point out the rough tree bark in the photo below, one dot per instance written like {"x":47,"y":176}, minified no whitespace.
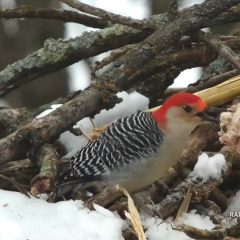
{"x":146,"y":56}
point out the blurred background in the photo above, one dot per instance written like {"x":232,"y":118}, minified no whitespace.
{"x":20,"y":37}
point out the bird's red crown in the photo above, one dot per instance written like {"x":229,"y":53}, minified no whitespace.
{"x":178,"y":100}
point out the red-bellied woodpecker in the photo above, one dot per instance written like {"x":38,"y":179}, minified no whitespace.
{"x":136,"y":150}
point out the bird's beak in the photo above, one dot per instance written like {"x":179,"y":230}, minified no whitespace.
{"x":211,"y":114}
{"x":205,"y":117}
{"x":216,"y":111}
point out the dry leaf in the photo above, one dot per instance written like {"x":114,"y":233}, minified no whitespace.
{"x":133,"y":214}
{"x":96,"y":132}
{"x":184,"y":206}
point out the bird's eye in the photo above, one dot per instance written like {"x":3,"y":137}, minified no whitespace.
{"x":187,"y":108}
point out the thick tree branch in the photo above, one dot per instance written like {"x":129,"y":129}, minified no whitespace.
{"x":231,"y":15}
{"x":57,"y":14}
{"x":44,"y":182}
{"x":190,"y":19}
{"x":58,"y":54}
{"x":173,"y":9}
{"x":184,"y":58}
{"x":91,"y":100}
{"x":11,"y":119}
{"x":46,"y":129}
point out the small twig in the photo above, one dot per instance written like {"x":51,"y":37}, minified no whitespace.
{"x":223,"y":50}
{"x":18,"y":186}
{"x":17,"y":166}
{"x":114,"y":18}
{"x":173,"y":9}
{"x":207,"y":83}
{"x":194,"y":232}
{"x":228,"y":227}
{"x":62,"y":100}
{"x":93,"y":123}
{"x":62,"y":15}
{"x":79,"y":132}
{"x":184,"y":206}
{"x":227,"y":38}
{"x":213,"y":211}
{"x":111,"y":58}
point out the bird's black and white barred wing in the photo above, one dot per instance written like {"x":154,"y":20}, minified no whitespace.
{"x":125,"y":141}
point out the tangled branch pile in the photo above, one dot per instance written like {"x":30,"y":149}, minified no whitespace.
{"x":146,"y":55}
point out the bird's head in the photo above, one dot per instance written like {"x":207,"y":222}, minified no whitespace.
{"x":181,"y":109}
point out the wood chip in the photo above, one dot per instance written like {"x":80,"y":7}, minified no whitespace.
{"x":133,"y":215}
{"x":184,"y":206}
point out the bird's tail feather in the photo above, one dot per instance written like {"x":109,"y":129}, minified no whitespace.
{"x":68,"y":184}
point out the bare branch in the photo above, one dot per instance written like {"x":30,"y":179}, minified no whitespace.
{"x":162,"y":38}
{"x":114,"y":18}
{"x":173,"y":9}
{"x":18,"y":186}
{"x":111,"y":58}
{"x":57,"y":14}
{"x":57,"y":54}
{"x":92,"y":99}
{"x":207,"y":83}
{"x":221,"y":48}
{"x":46,"y":129}
{"x":229,"y":227}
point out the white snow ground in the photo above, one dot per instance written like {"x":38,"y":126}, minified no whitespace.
{"x":23,"y":218}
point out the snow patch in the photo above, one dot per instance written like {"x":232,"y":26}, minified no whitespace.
{"x":195,"y":220}
{"x":187,"y":77}
{"x":159,"y":230}
{"x":24,"y":218}
{"x":210,"y":167}
{"x":233,"y":203}
{"x":131,"y":103}
{"x":46,"y":112}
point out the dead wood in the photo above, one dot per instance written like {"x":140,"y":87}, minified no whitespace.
{"x":150,"y":54}
{"x":62,"y":15}
{"x":48,"y":159}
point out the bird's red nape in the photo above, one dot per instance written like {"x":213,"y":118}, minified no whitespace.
{"x":178,"y":100}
